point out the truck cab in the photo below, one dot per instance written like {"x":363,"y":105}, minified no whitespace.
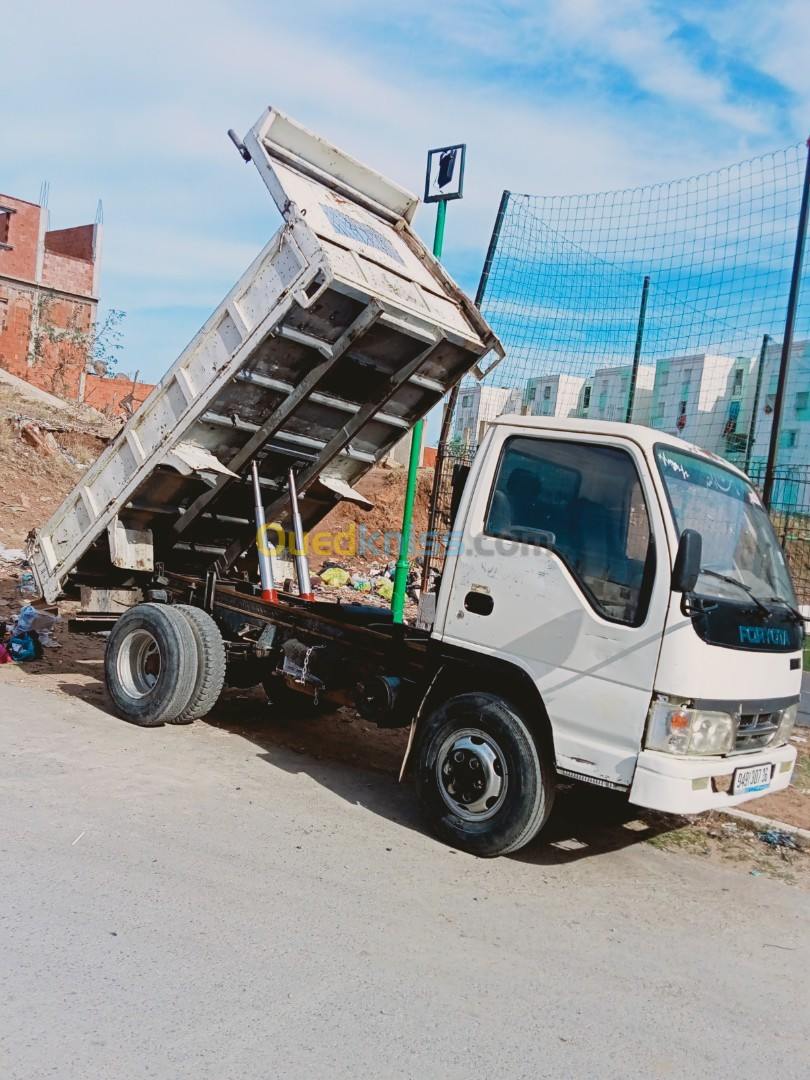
{"x":636,"y":582}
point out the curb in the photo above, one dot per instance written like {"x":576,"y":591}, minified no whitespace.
{"x":768,"y":823}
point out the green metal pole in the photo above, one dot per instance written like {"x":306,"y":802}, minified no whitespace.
{"x":401,"y":574}
{"x":438,"y":235}
{"x":752,"y":427}
{"x":631,"y":397}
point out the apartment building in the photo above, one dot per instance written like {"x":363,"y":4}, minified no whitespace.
{"x":794,"y":433}
{"x":608,"y":394}
{"x":706,"y":399}
{"x":553,"y":395}
{"x":478,"y":405}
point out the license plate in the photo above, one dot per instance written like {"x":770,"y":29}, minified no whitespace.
{"x":754,"y":778}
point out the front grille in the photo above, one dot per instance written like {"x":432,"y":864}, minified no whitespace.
{"x":757,"y":730}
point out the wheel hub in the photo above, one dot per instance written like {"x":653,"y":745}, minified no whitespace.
{"x":138,"y":663}
{"x":472,"y":774}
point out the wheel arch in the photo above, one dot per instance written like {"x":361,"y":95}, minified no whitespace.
{"x":460,"y":672}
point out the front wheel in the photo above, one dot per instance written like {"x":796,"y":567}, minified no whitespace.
{"x":484,"y":784}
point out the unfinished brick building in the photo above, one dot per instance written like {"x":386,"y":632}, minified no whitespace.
{"x":48,"y":301}
{"x":48,"y":297}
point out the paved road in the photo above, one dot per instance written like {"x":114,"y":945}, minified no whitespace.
{"x":185,"y":903}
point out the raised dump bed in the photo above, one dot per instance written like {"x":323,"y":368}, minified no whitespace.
{"x":341,"y":335}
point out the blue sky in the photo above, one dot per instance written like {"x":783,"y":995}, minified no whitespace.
{"x":130,"y":104}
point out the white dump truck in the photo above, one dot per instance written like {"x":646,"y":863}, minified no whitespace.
{"x":614,"y":606}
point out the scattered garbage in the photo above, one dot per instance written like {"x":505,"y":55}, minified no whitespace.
{"x":335,"y":576}
{"x":21,"y":648}
{"x":40,"y":624}
{"x":374,"y":580}
{"x":779,"y":838}
{"x":26,"y":636}
{"x":11,"y":555}
{"x":4,"y":656}
{"x":385,"y":589}
{"x":27,"y":587}
{"x":32,"y":619}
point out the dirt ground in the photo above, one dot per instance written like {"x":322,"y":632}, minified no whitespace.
{"x":33,"y":482}
{"x":385,"y":487}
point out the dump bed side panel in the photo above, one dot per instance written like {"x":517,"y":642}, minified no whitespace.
{"x":342,"y":333}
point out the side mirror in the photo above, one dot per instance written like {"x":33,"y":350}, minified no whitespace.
{"x":687,"y":562}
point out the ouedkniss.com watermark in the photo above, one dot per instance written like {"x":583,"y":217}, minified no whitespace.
{"x":358,"y":541}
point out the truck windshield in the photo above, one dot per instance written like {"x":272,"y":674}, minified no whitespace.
{"x":738,"y":538}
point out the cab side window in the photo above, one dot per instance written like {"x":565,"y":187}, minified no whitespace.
{"x":585,"y":503}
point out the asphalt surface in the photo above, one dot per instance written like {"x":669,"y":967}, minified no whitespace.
{"x":182,"y":902}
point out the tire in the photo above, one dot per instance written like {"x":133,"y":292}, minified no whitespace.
{"x":210,"y":664}
{"x":484,"y":783}
{"x":150,"y":664}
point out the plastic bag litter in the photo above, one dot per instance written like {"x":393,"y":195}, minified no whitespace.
{"x":27,"y":586}
{"x":779,"y":838}
{"x":4,"y":657}
{"x":31,"y":619}
{"x":360,"y":583}
{"x":25,"y":619}
{"x":21,"y":648}
{"x":11,"y":554}
{"x":385,"y":589}
{"x":334,"y":577}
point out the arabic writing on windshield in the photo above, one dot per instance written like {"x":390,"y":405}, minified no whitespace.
{"x":738,"y":539}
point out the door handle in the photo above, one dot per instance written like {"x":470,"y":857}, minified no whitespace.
{"x":479,"y":603}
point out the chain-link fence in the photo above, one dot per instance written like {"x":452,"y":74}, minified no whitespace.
{"x":664,"y":305}
{"x":677,"y":284}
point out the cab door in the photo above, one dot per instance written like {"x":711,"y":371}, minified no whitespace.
{"x":556,"y":570}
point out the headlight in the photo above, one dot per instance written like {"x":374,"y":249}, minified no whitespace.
{"x":785,"y":729}
{"x":678,"y":730}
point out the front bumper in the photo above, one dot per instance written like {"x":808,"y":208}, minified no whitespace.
{"x":684,"y":785}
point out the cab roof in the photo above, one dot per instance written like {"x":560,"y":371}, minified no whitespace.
{"x":645,"y":437}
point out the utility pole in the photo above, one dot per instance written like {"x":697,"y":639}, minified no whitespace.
{"x":444,"y":181}
{"x":787,"y":341}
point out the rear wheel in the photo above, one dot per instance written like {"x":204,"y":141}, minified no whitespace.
{"x":484,"y":784}
{"x":210,"y":664}
{"x":150,"y":664}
